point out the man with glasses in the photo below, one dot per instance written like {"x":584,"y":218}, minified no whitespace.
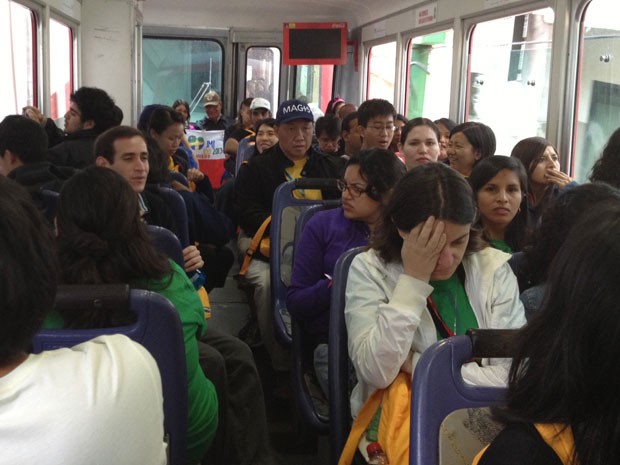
{"x":375,"y":119}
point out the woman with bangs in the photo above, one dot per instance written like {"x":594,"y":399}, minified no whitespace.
{"x":427,"y":276}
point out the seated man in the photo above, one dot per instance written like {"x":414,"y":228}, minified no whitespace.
{"x":90,"y":113}
{"x":225,"y":360}
{"x":291,"y":158}
{"x":23,"y":158}
{"x":375,"y":120}
{"x":59,"y":407}
{"x":215,"y":120}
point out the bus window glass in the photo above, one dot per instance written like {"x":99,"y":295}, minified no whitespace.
{"x":263,"y":74}
{"x":314,"y":84}
{"x":17,"y":54}
{"x":181,"y":68}
{"x":382,"y":71}
{"x":598,"y":88}
{"x":508,"y":79}
{"x":429,"y":74}
{"x":61,"y":66}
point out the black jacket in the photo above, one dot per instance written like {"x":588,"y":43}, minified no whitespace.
{"x":41,"y":175}
{"x":76,"y":150}
{"x":258,"y":180}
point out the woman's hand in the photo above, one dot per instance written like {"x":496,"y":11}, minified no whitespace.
{"x":421,"y":248}
{"x":557,"y":177}
{"x":195,"y":175}
{"x":192,"y":258}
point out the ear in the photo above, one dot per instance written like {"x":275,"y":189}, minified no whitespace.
{"x":88,"y":124}
{"x":477,"y":155}
{"x":102,"y":161}
{"x":152,"y":133}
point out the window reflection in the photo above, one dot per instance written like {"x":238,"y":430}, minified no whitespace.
{"x":263,"y":74}
{"x":382,"y":71}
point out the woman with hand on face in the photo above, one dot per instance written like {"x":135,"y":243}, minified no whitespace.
{"x":469,"y":143}
{"x":500,"y":189}
{"x":419,"y":142}
{"x":545,"y":179}
{"x":426,"y":276}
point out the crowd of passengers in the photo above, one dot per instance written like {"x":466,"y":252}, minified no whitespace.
{"x":455,"y":237}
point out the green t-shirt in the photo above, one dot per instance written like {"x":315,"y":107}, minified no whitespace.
{"x":201,"y":396}
{"x":453,"y":305}
{"x":500,"y":245}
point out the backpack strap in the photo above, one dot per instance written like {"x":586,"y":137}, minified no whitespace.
{"x":254,"y":246}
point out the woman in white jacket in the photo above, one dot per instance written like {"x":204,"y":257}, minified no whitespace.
{"x":427,"y":275}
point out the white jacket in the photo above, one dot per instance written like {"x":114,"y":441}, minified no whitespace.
{"x":387,"y":319}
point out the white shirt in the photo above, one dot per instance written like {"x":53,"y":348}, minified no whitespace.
{"x":99,"y":402}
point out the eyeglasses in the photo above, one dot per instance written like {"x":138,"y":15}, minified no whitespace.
{"x":355,"y":190}
{"x":379,"y":128}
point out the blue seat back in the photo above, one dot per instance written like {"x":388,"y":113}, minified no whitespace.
{"x":50,"y":203}
{"x":179,"y":177}
{"x":177,"y":206}
{"x":338,"y":358}
{"x":438,"y":389}
{"x":284,"y":212}
{"x":158,"y":329}
{"x":167,"y":243}
{"x":244,"y":152}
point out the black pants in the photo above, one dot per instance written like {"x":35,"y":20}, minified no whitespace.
{"x":242,"y":436}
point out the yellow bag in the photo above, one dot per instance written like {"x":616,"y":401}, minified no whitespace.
{"x":394,"y":425}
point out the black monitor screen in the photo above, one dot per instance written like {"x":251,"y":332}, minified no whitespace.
{"x":315,"y":43}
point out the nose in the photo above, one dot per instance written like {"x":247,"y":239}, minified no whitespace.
{"x":446,"y":259}
{"x":502,"y":196}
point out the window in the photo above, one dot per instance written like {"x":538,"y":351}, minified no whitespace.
{"x":315,"y":84}
{"x":598,"y":86}
{"x":61,"y":68}
{"x":382,"y":71}
{"x":181,"y":68}
{"x":18,"y":56}
{"x":508,"y":77}
{"x":263,"y":74}
{"x":429,"y":74}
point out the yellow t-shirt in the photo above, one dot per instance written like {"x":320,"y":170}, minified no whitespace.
{"x":294,"y":172}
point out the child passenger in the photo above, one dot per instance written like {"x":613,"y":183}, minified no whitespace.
{"x":426,"y":276}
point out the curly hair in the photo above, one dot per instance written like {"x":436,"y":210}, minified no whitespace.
{"x":607,"y":167}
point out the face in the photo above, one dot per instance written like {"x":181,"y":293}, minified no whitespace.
{"x":451,"y":255}
{"x":444,"y":140}
{"x":246,"y":116}
{"x":73,"y":119}
{"x":549,"y":160}
{"x":355,"y":202}
{"x":398,"y":127}
{"x":265,"y":138}
{"x":499,"y":201}
{"x":169,"y":140}
{"x":420,"y":147}
{"x":352,"y":138}
{"x":181,"y":109}
{"x":131,"y":161}
{"x":327,"y":144}
{"x":378,"y":133}
{"x":214,"y":111}
{"x":462,"y":154}
{"x":295,"y":138}
{"x":259,"y":114}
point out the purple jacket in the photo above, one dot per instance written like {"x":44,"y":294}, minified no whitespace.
{"x":327,"y":235}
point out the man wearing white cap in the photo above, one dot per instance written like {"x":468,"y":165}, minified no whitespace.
{"x":291,"y":158}
{"x":214,"y":121}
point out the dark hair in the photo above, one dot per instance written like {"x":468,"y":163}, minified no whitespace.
{"x":145,"y":116}
{"x":159,"y":162}
{"x":162,"y":118}
{"x":95,"y":104}
{"x":381,"y":170}
{"x":447,"y":122}
{"x":328,"y":124}
{"x":607,"y":167}
{"x":479,"y":135}
{"x":332,"y":104}
{"x":401,"y":118}
{"x":415,"y":122}
{"x":104,"y":144}
{"x":244,"y":103}
{"x":179,"y":102}
{"x":529,"y":150}
{"x":557,"y":221}
{"x":346,"y":122}
{"x":102,"y":239}
{"x":518,"y":230}
{"x":29,"y":270}
{"x":25,"y":138}
{"x":565,"y":369}
{"x":373,"y":108}
{"x":271,"y":122}
{"x":431,"y":189}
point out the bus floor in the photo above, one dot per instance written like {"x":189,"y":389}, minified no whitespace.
{"x":292,"y":442}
